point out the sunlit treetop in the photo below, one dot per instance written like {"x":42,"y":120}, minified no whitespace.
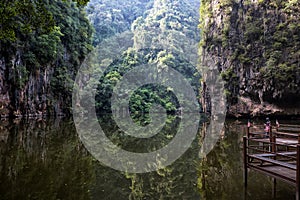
{"x":81,"y":2}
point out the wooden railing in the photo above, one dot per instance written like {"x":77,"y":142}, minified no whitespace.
{"x":276,"y":153}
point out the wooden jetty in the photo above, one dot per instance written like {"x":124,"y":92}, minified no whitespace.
{"x":275,"y":153}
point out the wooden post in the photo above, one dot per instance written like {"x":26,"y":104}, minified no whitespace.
{"x":247,"y":131}
{"x":272,"y":140}
{"x":277,"y":125}
{"x":274,"y":188}
{"x":245,"y":161}
{"x":298,"y":174}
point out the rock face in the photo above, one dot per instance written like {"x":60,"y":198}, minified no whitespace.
{"x":255,"y":44}
{"x":41,"y":47}
{"x":32,"y":98}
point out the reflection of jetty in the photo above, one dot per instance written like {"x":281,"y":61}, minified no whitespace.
{"x":276,"y":154}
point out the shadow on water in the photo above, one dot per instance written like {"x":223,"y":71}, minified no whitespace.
{"x":46,"y":160}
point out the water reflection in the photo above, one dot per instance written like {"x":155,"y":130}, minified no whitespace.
{"x":178,"y":180}
{"x":43,"y":160}
{"x":46,"y":160}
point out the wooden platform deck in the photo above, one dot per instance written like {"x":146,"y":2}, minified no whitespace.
{"x":276,"y":154}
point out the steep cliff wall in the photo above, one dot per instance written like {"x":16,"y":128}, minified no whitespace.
{"x":256,"y":46}
{"x":42,"y":44}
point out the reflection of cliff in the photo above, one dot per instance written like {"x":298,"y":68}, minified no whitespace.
{"x":219,"y":173}
{"x":42,"y":160}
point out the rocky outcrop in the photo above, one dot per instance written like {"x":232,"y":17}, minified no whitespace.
{"x":248,"y":107}
{"x":39,"y":57}
{"x":255,"y":44}
{"x":30,"y":94}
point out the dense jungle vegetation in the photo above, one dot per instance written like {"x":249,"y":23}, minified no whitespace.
{"x":255,"y":45}
{"x":43,"y":42}
{"x":157,"y":32}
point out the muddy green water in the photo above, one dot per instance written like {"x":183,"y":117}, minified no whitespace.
{"x":46,"y":160}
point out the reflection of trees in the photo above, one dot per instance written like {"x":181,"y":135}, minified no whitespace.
{"x":177,"y":181}
{"x":43,"y":161}
{"x":110,"y":184}
{"x":220,"y":173}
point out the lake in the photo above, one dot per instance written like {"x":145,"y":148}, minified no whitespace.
{"x":45,"y":159}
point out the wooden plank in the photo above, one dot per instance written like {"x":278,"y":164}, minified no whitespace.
{"x":279,"y":141}
{"x":289,"y":153}
{"x":287,"y":175}
{"x":289,"y":130}
{"x":257,"y":133}
{"x":289,"y":125}
{"x":284,"y":154}
{"x":266,"y":154}
{"x":276,"y":162}
{"x":287,"y":134}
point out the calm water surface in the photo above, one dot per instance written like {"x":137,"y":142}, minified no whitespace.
{"x":46,"y":160}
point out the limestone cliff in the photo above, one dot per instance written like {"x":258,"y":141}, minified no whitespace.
{"x":42,"y":44}
{"x":256,"y":46}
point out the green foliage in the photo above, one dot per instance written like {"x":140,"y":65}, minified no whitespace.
{"x":110,"y":17}
{"x":82,"y":2}
{"x":169,"y":24}
{"x":43,"y":28}
{"x":232,"y":81}
{"x":47,"y":47}
{"x":165,"y":22}
{"x":260,"y":43}
{"x":144,"y":98}
{"x":280,"y":75}
{"x":19,"y":18}
{"x":50,"y":35}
